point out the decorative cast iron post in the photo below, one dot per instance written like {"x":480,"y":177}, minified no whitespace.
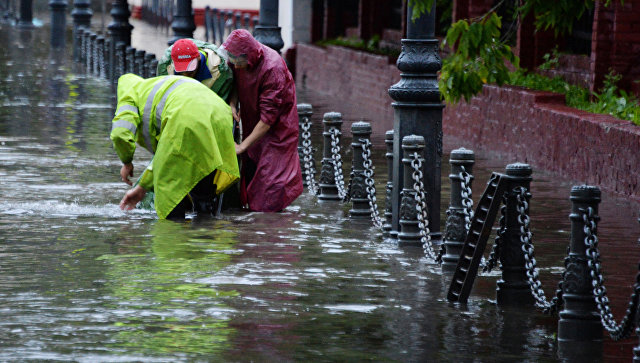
{"x":58,"y":23}
{"x":148,"y":57}
{"x":26,"y":14}
{"x":359,"y":202}
{"x":513,"y":288}
{"x":268,"y":32}
{"x":409,"y":234}
{"x":328,"y":187}
{"x":304,"y":115}
{"x":386,"y":227}
{"x":455,"y":230}
{"x":183,"y":24}
{"x":81,"y":14}
{"x":418,"y":110}
{"x":579,"y":325}
{"x":119,"y":31}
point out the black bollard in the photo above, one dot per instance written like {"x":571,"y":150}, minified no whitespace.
{"x":100,"y":63}
{"x":214,"y":26}
{"x":153,"y":68}
{"x":58,"y":23}
{"x":359,"y":202}
{"x":236,"y":21}
{"x":328,"y":188}
{"x":207,"y":21}
{"x":78,"y":46}
{"x":409,"y":234}
{"x":513,"y":288}
{"x":228,"y":24}
{"x":386,"y":227}
{"x":246,"y":19}
{"x":455,"y":228}
{"x":139,"y":62}
{"x":130,"y":59}
{"x":418,"y":110}
{"x":120,"y":28}
{"x":221,"y":26}
{"x":88,"y":49}
{"x":26,"y":14}
{"x":93,"y":54}
{"x":255,"y":21}
{"x":304,"y":117}
{"x":182,"y":24}
{"x":148,"y":58}
{"x":121,"y":62}
{"x":268,"y":32}
{"x":579,"y":326}
{"x":81,"y":14}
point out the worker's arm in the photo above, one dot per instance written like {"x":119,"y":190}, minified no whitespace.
{"x":258,"y":132}
{"x":233,"y":102}
{"x":132,"y":197}
{"x":123,"y":131}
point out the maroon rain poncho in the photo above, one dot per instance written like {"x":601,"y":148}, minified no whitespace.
{"x":267,"y":93}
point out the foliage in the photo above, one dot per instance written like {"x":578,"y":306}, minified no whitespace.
{"x":558,"y":15}
{"x":420,"y":7}
{"x":372,"y":45}
{"x":610,"y":100}
{"x":477,"y":58}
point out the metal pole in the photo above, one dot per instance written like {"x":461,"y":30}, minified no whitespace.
{"x":579,"y":326}
{"x":268,"y":32}
{"x":513,"y":288}
{"x":418,"y":110}
{"x":183,"y":24}
{"x":359,"y":202}
{"x":120,"y":33}
{"x":455,"y":230}
{"x":26,"y":14}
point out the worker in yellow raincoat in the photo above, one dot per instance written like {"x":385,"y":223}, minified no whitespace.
{"x":188,"y":128}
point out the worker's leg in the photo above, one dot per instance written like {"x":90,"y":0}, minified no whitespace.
{"x":179,"y":211}
{"x":203,"y":194}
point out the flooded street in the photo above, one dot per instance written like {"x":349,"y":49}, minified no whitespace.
{"x":82,"y":281}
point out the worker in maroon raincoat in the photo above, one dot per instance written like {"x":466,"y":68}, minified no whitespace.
{"x":270,"y":177}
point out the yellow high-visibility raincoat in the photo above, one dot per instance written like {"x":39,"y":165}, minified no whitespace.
{"x":187,"y":127}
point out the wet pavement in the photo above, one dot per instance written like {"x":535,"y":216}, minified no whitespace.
{"x":82,"y":281}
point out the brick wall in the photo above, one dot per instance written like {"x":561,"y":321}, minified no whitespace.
{"x":521,"y":125}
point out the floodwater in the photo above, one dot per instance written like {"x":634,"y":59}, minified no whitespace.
{"x":82,"y":281}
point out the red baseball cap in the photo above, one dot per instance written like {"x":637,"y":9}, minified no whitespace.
{"x":184,"y":55}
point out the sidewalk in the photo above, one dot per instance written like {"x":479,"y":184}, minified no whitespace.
{"x":154,"y":39}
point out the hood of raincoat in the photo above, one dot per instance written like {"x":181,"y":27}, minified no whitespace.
{"x":240,"y":42}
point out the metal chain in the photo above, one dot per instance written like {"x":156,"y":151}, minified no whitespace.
{"x":493,"y":261}
{"x":337,"y":164}
{"x":465,"y":192}
{"x":371,"y":188}
{"x":616,"y":331}
{"x":530,"y":261}
{"x":421,"y":207}
{"x":310,"y":171}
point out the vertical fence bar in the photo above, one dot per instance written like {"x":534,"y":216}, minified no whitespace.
{"x":328,"y":187}
{"x":359,"y":201}
{"x":139,"y":62}
{"x":409,"y":234}
{"x":130,"y":59}
{"x":148,"y":58}
{"x":455,"y":230}
{"x":388,"y":142}
{"x":153,"y":68}
{"x":94,"y":54}
{"x":100,"y":72}
{"x":207,"y":21}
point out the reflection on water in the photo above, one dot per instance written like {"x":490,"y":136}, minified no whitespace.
{"x":82,"y":281}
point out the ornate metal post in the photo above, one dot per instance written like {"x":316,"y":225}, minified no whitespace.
{"x":304,"y":115}
{"x":120,"y":64}
{"x":236,"y":23}
{"x":268,"y":32}
{"x":207,"y":21}
{"x":99,"y":66}
{"x":58,"y":23}
{"x":221,"y":26}
{"x":26,"y":14}
{"x":87,"y":49}
{"x":153,"y":68}
{"x":455,"y":230}
{"x":328,"y":187}
{"x":513,"y":287}
{"x":579,"y":325}
{"x":409,"y":234}
{"x":93,"y":54}
{"x":388,"y":142}
{"x":81,"y":14}
{"x":359,"y":202}
{"x":183,"y":24}
{"x":119,"y":30}
{"x":246,"y":18}
{"x":418,"y":111}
